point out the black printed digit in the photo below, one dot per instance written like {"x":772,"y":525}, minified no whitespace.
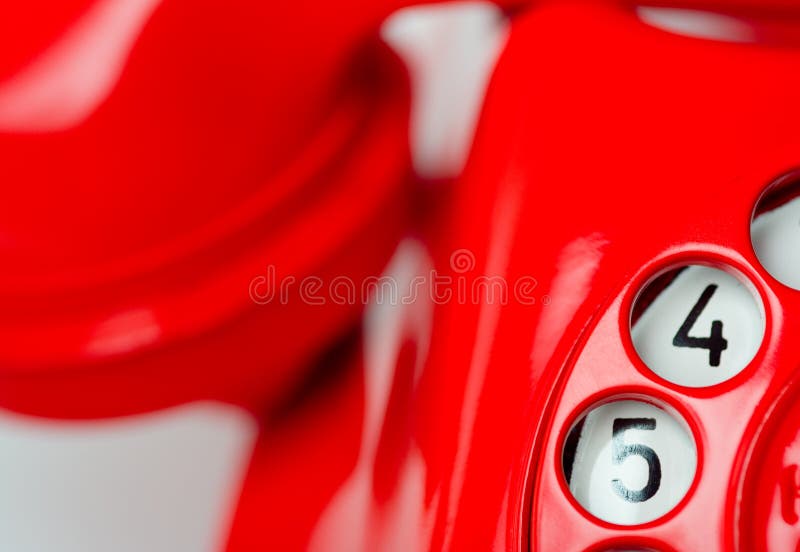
{"x":621,"y":451}
{"x":715,"y":343}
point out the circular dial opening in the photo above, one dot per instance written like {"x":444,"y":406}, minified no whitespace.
{"x":629,"y":462}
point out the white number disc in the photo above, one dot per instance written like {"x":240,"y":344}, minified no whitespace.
{"x":702,"y":329}
{"x":629,"y":462}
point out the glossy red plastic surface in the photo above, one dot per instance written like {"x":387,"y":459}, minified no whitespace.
{"x":605,"y":155}
{"x":138,"y":212}
{"x":609,"y":150}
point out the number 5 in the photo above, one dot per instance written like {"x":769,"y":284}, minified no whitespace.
{"x":620,"y":451}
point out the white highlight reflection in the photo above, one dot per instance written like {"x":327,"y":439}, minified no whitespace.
{"x":451,"y":51}
{"x":698,"y":24}
{"x":64,"y":85}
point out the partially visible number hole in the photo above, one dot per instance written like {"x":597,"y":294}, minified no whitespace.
{"x":775,"y":231}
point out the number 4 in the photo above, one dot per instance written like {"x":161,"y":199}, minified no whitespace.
{"x":715,"y":343}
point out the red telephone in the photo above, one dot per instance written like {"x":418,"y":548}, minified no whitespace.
{"x":644,"y":171}
{"x":613,"y":366}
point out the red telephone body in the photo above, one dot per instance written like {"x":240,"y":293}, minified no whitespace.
{"x":609,"y":152}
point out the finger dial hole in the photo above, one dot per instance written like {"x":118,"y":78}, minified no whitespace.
{"x":775,"y":230}
{"x":629,"y":462}
{"x":697,"y":326}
